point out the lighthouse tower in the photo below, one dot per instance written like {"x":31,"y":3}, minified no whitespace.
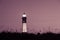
{"x":24,"y":21}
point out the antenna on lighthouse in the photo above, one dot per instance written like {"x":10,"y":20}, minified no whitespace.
{"x":24,"y":21}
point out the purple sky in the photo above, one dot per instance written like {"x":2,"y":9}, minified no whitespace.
{"x":41,"y":14}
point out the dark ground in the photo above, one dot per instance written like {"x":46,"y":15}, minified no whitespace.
{"x":28,"y":36}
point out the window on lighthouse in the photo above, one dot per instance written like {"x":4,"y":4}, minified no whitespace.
{"x":24,"y":15}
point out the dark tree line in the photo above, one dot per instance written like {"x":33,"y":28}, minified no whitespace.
{"x":28,"y":36}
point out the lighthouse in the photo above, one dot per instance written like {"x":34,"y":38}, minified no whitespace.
{"x":24,"y":21}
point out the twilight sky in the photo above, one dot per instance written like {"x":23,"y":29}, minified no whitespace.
{"x":42,"y":15}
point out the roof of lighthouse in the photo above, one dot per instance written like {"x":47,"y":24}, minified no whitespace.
{"x":24,"y":15}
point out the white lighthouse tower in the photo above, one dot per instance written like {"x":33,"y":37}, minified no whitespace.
{"x":24,"y":21}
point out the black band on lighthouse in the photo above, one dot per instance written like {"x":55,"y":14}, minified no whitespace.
{"x":24,"y":19}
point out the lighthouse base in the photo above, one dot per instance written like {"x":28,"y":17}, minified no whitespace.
{"x":24,"y":28}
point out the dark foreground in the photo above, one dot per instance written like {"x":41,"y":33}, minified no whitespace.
{"x":29,"y":36}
